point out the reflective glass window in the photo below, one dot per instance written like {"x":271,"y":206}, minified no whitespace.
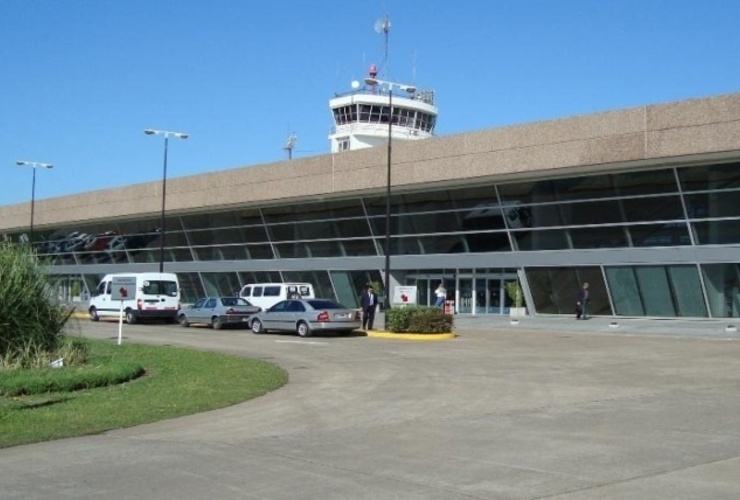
{"x":139,"y":257}
{"x":229,"y":252}
{"x":428,"y":223}
{"x":713,"y":204}
{"x":704,"y":178}
{"x":646,"y":182}
{"x":686,"y":290}
{"x":222,"y":219}
{"x":223,"y":284}
{"x":326,"y":248}
{"x":487,"y":242}
{"x":294,"y":250}
{"x":719,"y":232}
{"x":590,"y":212}
{"x":659,"y":235}
{"x":358,"y":248}
{"x":260,"y":277}
{"x":655,"y":291}
{"x":598,"y":237}
{"x":179,"y":254}
{"x":316,"y":211}
{"x":624,"y":291}
{"x":552,"y":239}
{"x":652,"y":208}
{"x":258,"y":251}
{"x":722,"y":284}
{"x":554,"y":290}
{"x":300,"y":231}
{"x":190,"y":287}
{"x":481,"y":218}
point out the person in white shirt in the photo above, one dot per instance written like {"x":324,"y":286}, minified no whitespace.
{"x":441,"y":294}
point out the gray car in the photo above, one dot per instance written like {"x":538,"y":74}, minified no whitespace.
{"x":218,"y":311}
{"x":307,"y":316}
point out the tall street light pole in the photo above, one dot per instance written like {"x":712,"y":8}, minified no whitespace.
{"x":34,"y":165}
{"x":387,"y":271}
{"x":387,"y":300}
{"x":166,"y":134}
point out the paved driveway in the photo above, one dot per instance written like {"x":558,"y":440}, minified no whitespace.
{"x":499,"y":413}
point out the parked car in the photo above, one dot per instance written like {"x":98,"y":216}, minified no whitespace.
{"x":306,"y":316}
{"x":218,"y":312}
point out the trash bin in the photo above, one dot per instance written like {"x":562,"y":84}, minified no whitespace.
{"x":449,"y":307}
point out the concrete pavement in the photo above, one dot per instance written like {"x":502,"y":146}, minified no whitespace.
{"x":550,"y":408}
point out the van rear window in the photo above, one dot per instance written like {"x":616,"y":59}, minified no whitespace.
{"x":160,"y":288}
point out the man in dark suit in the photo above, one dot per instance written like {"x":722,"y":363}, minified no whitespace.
{"x":369,"y":303}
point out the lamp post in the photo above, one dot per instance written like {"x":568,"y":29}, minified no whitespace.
{"x":34,"y":165}
{"x":387,"y":271}
{"x":166,"y":134}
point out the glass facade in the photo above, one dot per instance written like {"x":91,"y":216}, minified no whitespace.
{"x":551,"y":234}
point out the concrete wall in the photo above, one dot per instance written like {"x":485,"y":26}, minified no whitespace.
{"x":627,"y":139}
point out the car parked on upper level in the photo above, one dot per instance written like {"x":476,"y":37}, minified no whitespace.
{"x":218,"y":312}
{"x":307,"y":316}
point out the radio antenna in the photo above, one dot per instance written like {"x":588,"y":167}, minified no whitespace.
{"x":383,"y":26}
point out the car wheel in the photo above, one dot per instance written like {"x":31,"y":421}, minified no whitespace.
{"x":257,"y":326}
{"x":94,"y":314}
{"x":303,"y":329}
{"x":216,"y":323}
{"x":130,"y":317}
{"x":183,"y":321}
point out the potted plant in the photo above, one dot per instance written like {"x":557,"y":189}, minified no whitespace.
{"x":514,"y":290}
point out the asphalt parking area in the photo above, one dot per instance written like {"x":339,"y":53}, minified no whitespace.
{"x":499,"y":412}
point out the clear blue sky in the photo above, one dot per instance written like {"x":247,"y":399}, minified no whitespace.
{"x":82,"y":79}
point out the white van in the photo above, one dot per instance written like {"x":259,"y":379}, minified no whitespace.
{"x":157,"y":297}
{"x":266,"y":295}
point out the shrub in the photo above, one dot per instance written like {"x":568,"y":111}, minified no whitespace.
{"x":32,"y":322}
{"x":417,"y":319}
{"x":514,"y":291}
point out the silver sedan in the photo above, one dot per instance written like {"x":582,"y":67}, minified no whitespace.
{"x":307,"y":316}
{"x":218,"y":311}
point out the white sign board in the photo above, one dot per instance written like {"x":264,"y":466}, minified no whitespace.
{"x":123,"y":288}
{"x":404,"y":296}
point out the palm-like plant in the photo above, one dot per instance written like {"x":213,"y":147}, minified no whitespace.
{"x":32,"y":321}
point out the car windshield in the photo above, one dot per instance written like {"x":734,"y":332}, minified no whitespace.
{"x":325,"y":304}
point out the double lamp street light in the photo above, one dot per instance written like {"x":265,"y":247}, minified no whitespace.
{"x":166,"y":134}
{"x":387,"y":271}
{"x":34,"y":165}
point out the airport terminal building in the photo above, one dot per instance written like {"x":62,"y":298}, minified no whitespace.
{"x":641,"y":203}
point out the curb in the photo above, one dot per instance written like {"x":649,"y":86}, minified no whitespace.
{"x":411,"y":336}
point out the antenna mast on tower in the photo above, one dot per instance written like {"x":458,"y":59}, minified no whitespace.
{"x":383,"y":26}
{"x":290,"y":143}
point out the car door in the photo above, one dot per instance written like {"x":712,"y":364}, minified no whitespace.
{"x":275,"y":317}
{"x":209,"y":309}
{"x":193,"y":313}
{"x":295,"y":312}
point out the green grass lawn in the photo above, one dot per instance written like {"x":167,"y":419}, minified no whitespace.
{"x":176,"y":382}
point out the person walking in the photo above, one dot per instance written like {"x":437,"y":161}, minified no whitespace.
{"x":441,"y":295}
{"x":582,"y":301}
{"x":369,"y":303}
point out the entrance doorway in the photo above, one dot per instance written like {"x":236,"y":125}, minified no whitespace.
{"x":472,"y":293}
